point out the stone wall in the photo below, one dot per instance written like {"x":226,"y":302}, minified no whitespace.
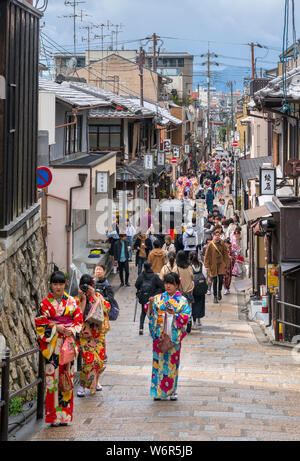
{"x":23,"y":285}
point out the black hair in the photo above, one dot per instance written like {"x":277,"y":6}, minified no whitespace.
{"x":147,"y":265}
{"x":172,"y":258}
{"x":194,"y":220}
{"x":86,"y":279}
{"x":194,"y":259}
{"x":182,"y":259}
{"x":156,"y":244}
{"x":101,"y":265}
{"x":58,"y":277}
{"x":172,"y":278}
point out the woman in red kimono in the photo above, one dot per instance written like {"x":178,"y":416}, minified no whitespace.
{"x":59,"y":318}
{"x":92,"y":337}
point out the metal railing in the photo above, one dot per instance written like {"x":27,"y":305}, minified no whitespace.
{"x":6,"y":397}
{"x":278,"y":321}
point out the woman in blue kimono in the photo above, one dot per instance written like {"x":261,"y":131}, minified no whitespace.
{"x":166,"y":365}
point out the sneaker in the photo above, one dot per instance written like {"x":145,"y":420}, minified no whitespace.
{"x":220,"y":296}
{"x":208,"y":292}
{"x":81,"y":392}
{"x":174,"y":396}
{"x":226,"y":292}
{"x":122,"y":285}
{"x":99,"y":387}
{"x":194,"y":326}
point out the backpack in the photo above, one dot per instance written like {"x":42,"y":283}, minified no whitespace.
{"x":191,"y":241}
{"x":145,"y":291}
{"x":200,"y":285}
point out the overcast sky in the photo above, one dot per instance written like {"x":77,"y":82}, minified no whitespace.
{"x":227,"y":24}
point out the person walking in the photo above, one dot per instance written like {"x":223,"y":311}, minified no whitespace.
{"x":216,"y":261}
{"x":210,"y":200}
{"x":170,"y":267}
{"x":190,"y":239}
{"x":92,"y":337}
{"x":168,"y":314}
{"x":168,"y":246}
{"x":59,"y":319}
{"x":229,"y":209}
{"x":147,"y":284}
{"x":130,"y":233}
{"x":199,"y":292}
{"x":186,"y":275}
{"x":157,"y":257}
{"x":229,"y":269}
{"x":122,"y":257}
{"x":143,"y":246}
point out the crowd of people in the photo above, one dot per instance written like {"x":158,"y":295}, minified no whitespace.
{"x":176,"y":272}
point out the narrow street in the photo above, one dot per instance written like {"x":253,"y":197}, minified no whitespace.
{"x":233,"y":385}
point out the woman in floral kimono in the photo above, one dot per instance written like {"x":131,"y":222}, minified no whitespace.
{"x":92,"y":337}
{"x":166,"y":365}
{"x":59,"y":317}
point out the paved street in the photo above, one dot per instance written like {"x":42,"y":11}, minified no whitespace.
{"x":233,"y":385}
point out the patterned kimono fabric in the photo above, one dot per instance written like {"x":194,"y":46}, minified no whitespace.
{"x":59,"y":403}
{"x":219,"y":188}
{"x":165,"y":366}
{"x":92,"y":346}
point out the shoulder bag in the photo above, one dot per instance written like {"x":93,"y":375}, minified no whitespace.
{"x":165,"y":343}
{"x":96,"y":314}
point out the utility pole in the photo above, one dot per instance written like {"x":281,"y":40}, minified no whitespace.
{"x":89,"y":28}
{"x":253,"y":45}
{"x":102,"y":37}
{"x":230,"y":85}
{"x":141,"y":67}
{"x":209,"y":63}
{"x":155,"y":38}
{"x":74,"y":16}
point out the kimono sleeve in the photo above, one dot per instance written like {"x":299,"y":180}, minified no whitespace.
{"x":46,"y":331}
{"x":180,"y":322}
{"x":154,"y":327}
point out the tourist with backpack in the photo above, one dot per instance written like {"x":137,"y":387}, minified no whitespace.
{"x":199,"y":292}
{"x":148,"y":284}
{"x":190,"y":239}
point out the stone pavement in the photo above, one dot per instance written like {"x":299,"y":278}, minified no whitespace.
{"x":233,"y":385}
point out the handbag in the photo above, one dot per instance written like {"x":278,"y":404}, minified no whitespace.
{"x":67,"y":351}
{"x":96,"y":314}
{"x":165,"y":343}
{"x":114,"y":311}
{"x":65,"y":382}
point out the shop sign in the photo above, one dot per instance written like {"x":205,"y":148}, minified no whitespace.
{"x":167,"y":145}
{"x":273,"y":278}
{"x":160,"y":159}
{"x":267,"y":181}
{"x":102,"y":182}
{"x":149,"y":162}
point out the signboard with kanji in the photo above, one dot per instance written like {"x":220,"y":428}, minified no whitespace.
{"x":267,"y":181}
{"x":187,"y":149}
{"x":176,"y":152}
{"x":102,"y":182}
{"x":167,"y":145}
{"x":160,"y":159}
{"x":149,"y":162}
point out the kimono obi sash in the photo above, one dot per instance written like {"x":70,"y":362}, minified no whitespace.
{"x":66,"y":320}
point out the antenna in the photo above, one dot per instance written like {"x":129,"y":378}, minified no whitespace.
{"x":74,"y":5}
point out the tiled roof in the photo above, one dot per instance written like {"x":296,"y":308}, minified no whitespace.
{"x":66,"y":93}
{"x":250,"y":167}
{"x":274,"y":89}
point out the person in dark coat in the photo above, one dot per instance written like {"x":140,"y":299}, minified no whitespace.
{"x":143,"y":246}
{"x":200,"y":290}
{"x":210,"y":200}
{"x":148,"y":285}
{"x":121,"y":255}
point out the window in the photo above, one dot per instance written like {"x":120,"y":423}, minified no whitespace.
{"x":79,"y":219}
{"x":105,"y":137}
{"x":73,"y":137}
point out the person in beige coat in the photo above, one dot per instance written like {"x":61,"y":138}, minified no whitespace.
{"x":170,"y":267}
{"x":157,"y":257}
{"x":169,"y":247}
{"x":216,"y":261}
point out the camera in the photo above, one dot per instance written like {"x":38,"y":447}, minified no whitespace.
{"x":84,"y":288}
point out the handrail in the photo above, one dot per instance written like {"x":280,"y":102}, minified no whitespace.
{"x":278,"y":321}
{"x":7,"y":397}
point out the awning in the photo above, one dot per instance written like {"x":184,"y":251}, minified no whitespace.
{"x":256,"y":213}
{"x":288,"y":267}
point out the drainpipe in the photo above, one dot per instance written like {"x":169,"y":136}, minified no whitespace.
{"x":82,"y":178}
{"x":67,"y":226}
